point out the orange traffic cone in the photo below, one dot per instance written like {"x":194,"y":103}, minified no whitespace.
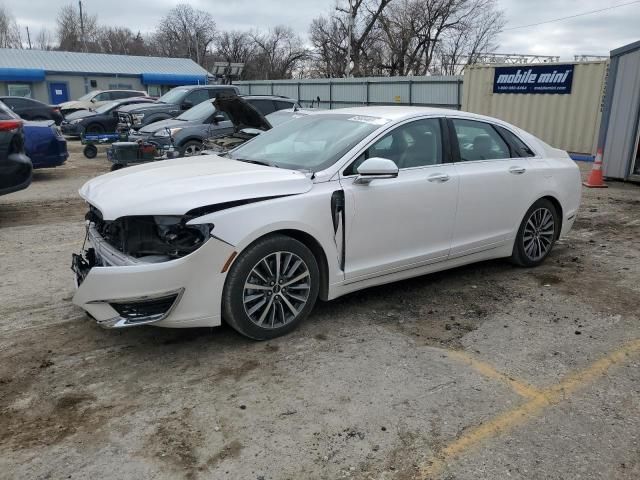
{"x":595,"y":177}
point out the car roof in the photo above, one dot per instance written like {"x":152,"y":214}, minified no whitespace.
{"x":269,"y":97}
{"x":191,"y":87}
{"x":398,"y":112}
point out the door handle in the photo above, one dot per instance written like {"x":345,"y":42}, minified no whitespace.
{"x":517,"y":170}
{"x":439,"y":177}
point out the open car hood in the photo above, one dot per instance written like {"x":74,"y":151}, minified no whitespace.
{"x":174,"y":187}
{"x":241,"y":113}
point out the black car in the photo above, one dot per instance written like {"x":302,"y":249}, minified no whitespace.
{"x":30,"y":109}
{"x":15,"y":166}
{"x":172,"y":104}
{"x":101,"y":120}
{"x":267,"y":104}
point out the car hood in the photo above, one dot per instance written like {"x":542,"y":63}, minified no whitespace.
{"x":146,"y":107}
{"x":173,"y":187}
{"x":80,"y":105}
{"x":79,"y":114}
{"x":169,"y":123}
{"x":241,"y":113}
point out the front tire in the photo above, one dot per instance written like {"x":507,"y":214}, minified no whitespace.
{"x":271,"y":287}
{"x":537,"y":234}
{"x":191,"y":148}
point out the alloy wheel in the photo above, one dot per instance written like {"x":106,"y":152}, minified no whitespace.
{"x":539,"y":233}
{"x":276,"y":290}
{"x":192,"y":149}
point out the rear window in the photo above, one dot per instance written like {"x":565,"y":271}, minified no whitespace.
{"x":520,"y":149}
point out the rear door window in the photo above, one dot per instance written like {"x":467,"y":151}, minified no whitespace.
{"x":479,"y":141}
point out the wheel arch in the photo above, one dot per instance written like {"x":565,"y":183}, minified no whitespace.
{"x":190,"y":138}
{"x":312,"y":244}
{"x":558,"y":206}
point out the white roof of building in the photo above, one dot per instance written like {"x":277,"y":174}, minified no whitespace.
{"x":96,"y":63}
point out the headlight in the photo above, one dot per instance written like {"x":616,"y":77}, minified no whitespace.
{"x":165,"y":133}
{"x":76,"y":121}
{"x":183,"y":239}
{"x":137,"y":117}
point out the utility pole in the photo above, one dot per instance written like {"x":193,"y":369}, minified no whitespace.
{"x":349,"y":66}
{"x":197,"y":49}
{"x":28,"y":37}
{"x":82,"y":39}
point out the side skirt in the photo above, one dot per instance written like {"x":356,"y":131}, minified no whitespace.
{"x":338,"y":289}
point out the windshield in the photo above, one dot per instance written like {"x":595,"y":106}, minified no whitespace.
{"x":282,"y":116}
{"x":88,"y":96}
{"x":106,"y":107}
{"x":174,"y":96}
{"x":200,"y":112}
{"x":311,"y":143}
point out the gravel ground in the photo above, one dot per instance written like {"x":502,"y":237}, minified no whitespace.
{"x":486,"y":371}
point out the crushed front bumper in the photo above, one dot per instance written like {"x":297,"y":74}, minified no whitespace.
{"x":120,"y":291}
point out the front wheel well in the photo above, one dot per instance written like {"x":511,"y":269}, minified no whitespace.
{"x":318,"y":252}
{"x":558,"y":208}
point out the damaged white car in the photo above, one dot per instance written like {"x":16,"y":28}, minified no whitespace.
{"x":321,"y":206}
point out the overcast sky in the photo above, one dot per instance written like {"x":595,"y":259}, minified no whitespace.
{"x":592,"y":34}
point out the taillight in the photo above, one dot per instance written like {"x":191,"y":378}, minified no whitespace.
{"x":10,"y":125}
{"x":56,"y":109}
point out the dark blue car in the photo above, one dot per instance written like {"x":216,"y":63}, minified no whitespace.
{"x":44,"y":144}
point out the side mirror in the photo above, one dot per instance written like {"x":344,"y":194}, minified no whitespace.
{"x":186,"y":105}
{"x":375,"y":168}
{"x":217,"y":118}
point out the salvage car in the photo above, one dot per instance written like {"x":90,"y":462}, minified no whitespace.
{"x":172,"y":104}
{"x":44,"y":144}
{"x":96,"y":98}
{"x":102,"y":119}
{"x":211,"y":118}
{"x":331,"y":203}
{"x":15,"y":167}
{"x":30,"y":109}
{"x":220,"y":144}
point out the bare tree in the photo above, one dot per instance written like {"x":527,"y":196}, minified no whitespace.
{"x":475,"y":35}
{"x":402,"y":37}
{"x":235,"y":47}
{"x":328,"y":38}
{"x":278,"y":52}
{"x":185,"y":32}
{"x":44,"y":40}
{"x":69,"y":30}
{"x":123,"y":41}
{"x":9,"y":31}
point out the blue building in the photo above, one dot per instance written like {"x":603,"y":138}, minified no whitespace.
{"x":56,"y":77}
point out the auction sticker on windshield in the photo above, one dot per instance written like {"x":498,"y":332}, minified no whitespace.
{"x":370,"y":120}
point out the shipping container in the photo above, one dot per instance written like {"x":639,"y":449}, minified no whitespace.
{"x":620,"y":131}
{"x":569,"y":121}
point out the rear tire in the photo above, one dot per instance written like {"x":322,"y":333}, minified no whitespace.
{"x":537,"y":234}
{"x":94,"y":129}
{"x":286,"y":278}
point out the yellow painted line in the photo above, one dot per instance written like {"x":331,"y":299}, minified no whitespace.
{"x":487,"y":370}
{"x":525,"y":412}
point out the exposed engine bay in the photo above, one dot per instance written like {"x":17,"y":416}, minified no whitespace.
{"x":144,"y":236}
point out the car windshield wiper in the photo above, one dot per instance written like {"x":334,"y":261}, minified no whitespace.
{"x":256,"y":162}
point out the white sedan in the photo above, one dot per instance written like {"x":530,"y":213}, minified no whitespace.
{"x":330,"y":203}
